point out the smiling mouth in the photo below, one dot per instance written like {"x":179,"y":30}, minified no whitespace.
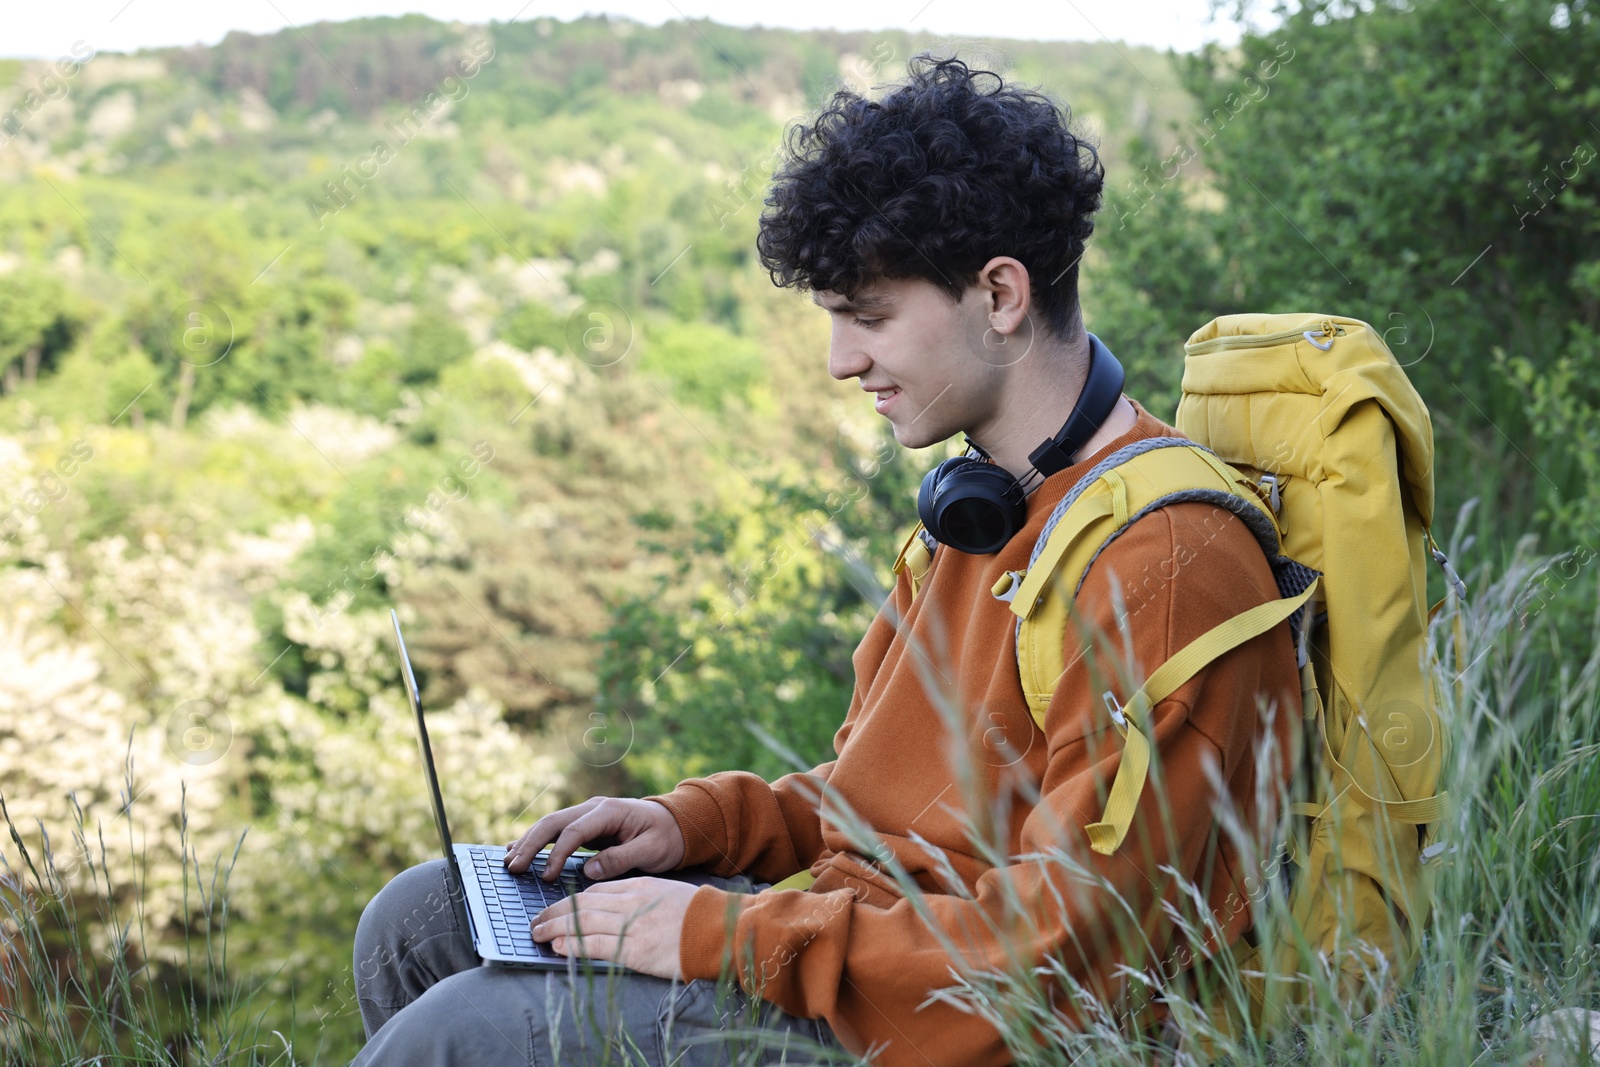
{"x":885,"y":397}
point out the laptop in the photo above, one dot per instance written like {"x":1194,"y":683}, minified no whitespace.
{"x":493,"y":904}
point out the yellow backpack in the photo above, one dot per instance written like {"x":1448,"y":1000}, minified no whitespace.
{"x":1306,"y":427}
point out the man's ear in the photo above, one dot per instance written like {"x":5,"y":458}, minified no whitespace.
{"x":1006,"y":293}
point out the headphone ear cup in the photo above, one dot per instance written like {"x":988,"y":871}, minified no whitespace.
{"x":972,"y":506}
{"x":929,"y":492}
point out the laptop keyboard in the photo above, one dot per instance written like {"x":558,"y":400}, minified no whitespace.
{"x":513,"y":900}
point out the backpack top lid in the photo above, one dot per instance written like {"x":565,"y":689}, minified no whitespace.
{"x":1260,"y":354}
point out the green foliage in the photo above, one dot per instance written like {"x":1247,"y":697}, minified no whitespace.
{"x":282,"y":359}
{"x":340,"y":70}
{"x":707,"y":366}
{"x":372,"y":385}
{"x":376,"y":509}
{"x":432,"y":342}
{"x":38,"y":321}
{"x":534,"y":325}
{"x":1154,"y":279}
{"x":1564,"y":411}
{"x":764,"y":640}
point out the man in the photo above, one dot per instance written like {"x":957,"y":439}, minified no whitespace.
{"x":941,"y":228}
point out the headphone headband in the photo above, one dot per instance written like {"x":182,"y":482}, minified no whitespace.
{"x":975,"y":506}
{"x":1101,"y":390}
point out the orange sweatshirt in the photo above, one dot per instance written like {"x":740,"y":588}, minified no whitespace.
{"x":852,"y":949}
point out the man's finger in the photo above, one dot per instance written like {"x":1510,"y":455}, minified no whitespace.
{"x":591,"y":946}
{"x":585,"y":922}
{"x":610,"y":862}
{"x":520,"y":857}
{"x":592,"y":901}
{"x":521,"y":852}
{"x":556,"y":910}
{"x":614,"y":888}
{"x":585,"y":828}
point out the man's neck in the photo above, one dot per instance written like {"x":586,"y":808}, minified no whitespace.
{"x":1039,"y":395}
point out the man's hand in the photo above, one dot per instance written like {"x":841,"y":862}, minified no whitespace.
{"x":647,"y":836}
{"x":637,"y":922}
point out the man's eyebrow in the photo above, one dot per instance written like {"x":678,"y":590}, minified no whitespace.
{"x":862,"y":302}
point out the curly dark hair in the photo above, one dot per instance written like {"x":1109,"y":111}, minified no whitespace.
{"x":950,"y":169}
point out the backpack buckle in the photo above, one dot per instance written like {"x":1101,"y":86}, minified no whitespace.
{"x":1435,"y":850}
{"x":1456,"y":584}
{"x":1007,"y":587}
{"x":1269,"y":484}
{"x":1115,"y":708}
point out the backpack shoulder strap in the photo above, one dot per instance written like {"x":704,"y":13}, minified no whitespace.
{"x":1116,"y":493}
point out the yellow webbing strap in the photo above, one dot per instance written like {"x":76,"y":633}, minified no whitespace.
{"x":1297,"y":852}
{"x":1119,"y":496}
{"x":1228,"y":475}
{"x":1239,"y":485}
{"x":1107,"y":835}
{"x":915,"y":559}
{"x":1420,"y":811}
{"x":798,"y":880}
{"x":1459,"y":635}
{"x":1310,"y":695}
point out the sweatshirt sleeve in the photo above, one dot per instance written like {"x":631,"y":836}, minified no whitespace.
{"x":737,"y":824}
{"x":870,"y":970}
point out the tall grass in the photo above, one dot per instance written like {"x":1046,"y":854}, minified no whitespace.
{"x":1512,"y":935}
{"x":80,"y":988}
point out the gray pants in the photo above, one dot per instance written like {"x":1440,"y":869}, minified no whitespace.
{"x":426,"y":999}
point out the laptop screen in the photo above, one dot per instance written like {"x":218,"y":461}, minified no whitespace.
{"x":427,"y":752}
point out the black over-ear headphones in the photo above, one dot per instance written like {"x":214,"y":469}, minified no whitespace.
{"x":975,"y":505}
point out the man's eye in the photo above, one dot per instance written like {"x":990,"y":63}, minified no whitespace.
{"x":867,"y":323}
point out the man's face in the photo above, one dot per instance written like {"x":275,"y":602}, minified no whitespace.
{"x":922,"y":356}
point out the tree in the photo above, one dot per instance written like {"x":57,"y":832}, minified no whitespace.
{"x":37,"y":323}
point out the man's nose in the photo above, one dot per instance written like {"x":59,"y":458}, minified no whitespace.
{"x":845,"y":359}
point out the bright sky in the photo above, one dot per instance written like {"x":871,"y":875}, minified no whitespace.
{"x":49,"y":29}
